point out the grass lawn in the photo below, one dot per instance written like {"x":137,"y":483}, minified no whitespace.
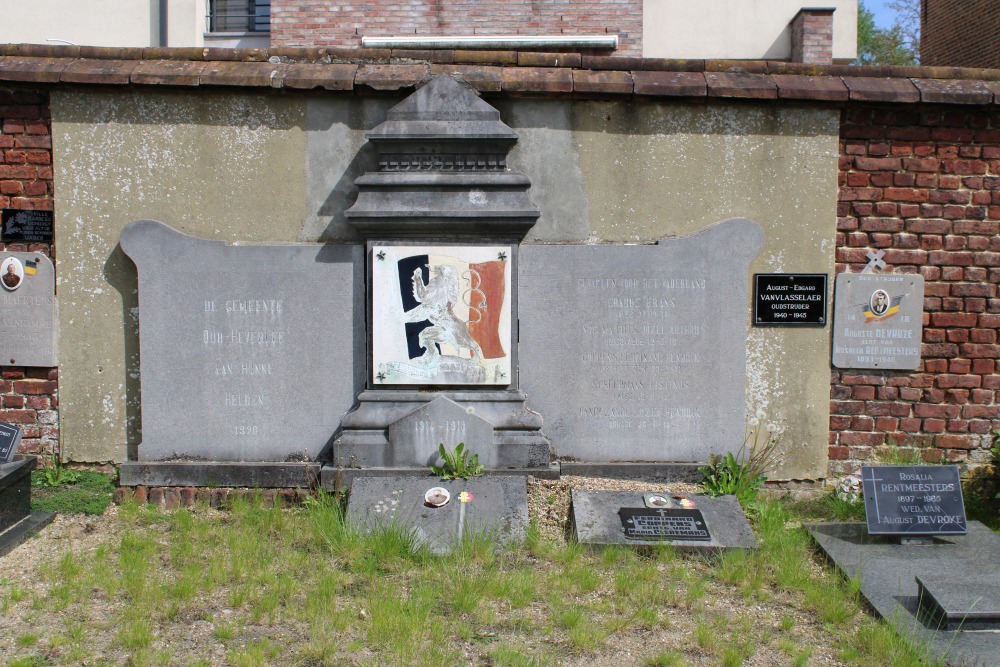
{"x":254,"y":585}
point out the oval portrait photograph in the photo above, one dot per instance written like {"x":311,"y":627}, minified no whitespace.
{"x":879,"y":302}
{"x":12,"y":272}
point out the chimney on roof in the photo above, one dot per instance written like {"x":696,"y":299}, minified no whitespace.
{"x":812,"y":36}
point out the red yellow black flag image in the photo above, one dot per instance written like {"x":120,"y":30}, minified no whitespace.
{"x":891,"y":308}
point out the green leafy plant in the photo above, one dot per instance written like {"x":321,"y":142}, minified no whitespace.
{"x":89,"y":493}
{"x":742,"y":474}
{"x":457,"y":464}
{"x":55,"y":475}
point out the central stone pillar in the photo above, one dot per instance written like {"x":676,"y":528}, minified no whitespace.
{"x":443,"y":219}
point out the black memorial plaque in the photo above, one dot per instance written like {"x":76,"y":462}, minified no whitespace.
{"x":28,"y":226}
{"x":789,"y":299}
{"x":642,"y":523}
{"x":913,"y":500}
{"x":10,"y":438}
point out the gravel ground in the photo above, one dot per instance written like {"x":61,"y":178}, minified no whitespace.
{"x":192,"y":637}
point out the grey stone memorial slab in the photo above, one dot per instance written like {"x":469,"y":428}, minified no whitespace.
{"x":689,"y":523}
{"x":417,"y":436}
{"x":878,"y":320}
{"x":27,"y":310}
{"x":913,"y":500}
{"x":248,"y":353}
{"x":638,"y":353}
{"x":497,"y":505}
{"x":17,"y":521}
{"x":10,"y":438}
{"x":955,"y":604}
{"x":888,"y":573}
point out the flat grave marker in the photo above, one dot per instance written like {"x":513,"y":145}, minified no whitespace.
{"x":635,"y":519}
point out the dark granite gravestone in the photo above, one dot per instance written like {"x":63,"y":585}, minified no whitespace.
{"x":913,"y":500}
{"x":888,"y":572}
{"x":789,"y":299}
{"x":17,"y":521}
{"x":497,"y":505}
{"x":960,"y":604}
{"x":10,"y":438}
{"x":686,"y":521}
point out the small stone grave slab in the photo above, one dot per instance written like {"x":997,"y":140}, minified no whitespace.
{"x":247,"y":352}
{"x":689,"y":522}
{"x":638,"y":352}
{"x":494,"y":504}
{"x":27,"y":310}
{"x":955,"y":604}
{"x":878,"y":320}
{"x":10,"y":438}
{"x":17,"y":521}
{"x":414,"y":439}
{"x":789,"y":299}
{"x":913,"y":500}
{"x":888,"y":573}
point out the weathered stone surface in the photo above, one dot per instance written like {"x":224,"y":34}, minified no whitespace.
{"x":394,"y":78}
{"x":953,"y":91}
{"x":250,"y":475}
{"x":864,"y":337}
{"x":537,"y":80}
{"x":601,"y":84}
{"x":498,"y":506}
{"x":414,"y":439}
{"x":329,"y":77}
{"x":270,"y":340}
{"x":638,"y":353}
{"x":41,"y":70}
{"x":27,"y":312}
{"x":881,"y":89}
{"x":484,"y":78}
{"x":756,"y":86}
{"x":226,"y":73}
{"x":888,"y":571}
{"x":114,"y":72}
{"x":168,"y":72}
{"x":670,"y":84}
{"x":596,"y":520}
{"x":826,"y":88}
{"x":538,"y":59}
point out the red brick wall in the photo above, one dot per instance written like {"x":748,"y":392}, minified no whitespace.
{"x":28,"y":396}
{"x":316,"y":23}
{"x":924,"y":184}
{"x":960,"y":33}
{"x":812,"y":37}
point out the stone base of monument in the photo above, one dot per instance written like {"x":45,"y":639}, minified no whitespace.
{"x":945,"y":595}
{"x":336,"y":479}
{"x":17,"y":521}
{"x":642,"y":470}
{"x":441,"y":514}
{"x":253,"y":474}
{"x":687,"y":522}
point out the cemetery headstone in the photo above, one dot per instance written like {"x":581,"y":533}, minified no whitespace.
{"x":27,"y":310}
{"x":249,"y":353}
{"x":959,"y":603}
{"x":683,"y":520}
{"x":913,"y":500}
{"x":878,"y":320}
{"x":17,"y":521}
{"x":418,"y":435}
{"x":440,"y":514}
{"x":10,"y":438}
{"x":789,"y":299}
{"x":639,"y":352}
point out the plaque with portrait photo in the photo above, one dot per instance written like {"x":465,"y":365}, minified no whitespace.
{"x":878,"y":321}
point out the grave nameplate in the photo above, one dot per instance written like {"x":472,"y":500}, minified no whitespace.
{"x":638,"y":353}
{"x":27,"y":226}
{"x":248,"y":353}
{"x":789,"y":299}
{"x":642,"y":523}
{"x":913,"y":500}
{"x":27,"y":310}
{"x":10,"y":438}
{"x":878,"y":320}
{"x":415,"y":438}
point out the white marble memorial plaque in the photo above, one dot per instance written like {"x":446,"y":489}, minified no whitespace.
{"x":441,"y":315}
{"x":878,"y":320}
